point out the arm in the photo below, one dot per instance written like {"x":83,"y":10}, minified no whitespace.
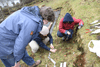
{"x":76,"y":21}
{"x":51,"y":39}
{"x":41,"y":44}
{"x":23,"y":39}
{"x":61,"y":29}
{"x":50,"y":26}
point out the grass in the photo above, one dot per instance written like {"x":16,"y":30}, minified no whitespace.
{"x":69,"y":52}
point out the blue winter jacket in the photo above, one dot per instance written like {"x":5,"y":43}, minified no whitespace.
{"x":41,"y":44}
{"x":17,"y":30}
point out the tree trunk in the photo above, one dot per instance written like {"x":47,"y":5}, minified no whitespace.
{"x":8,"y":7}
{"x":2,"y":12}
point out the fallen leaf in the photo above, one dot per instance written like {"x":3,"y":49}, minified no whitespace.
{"x":64,"y":55}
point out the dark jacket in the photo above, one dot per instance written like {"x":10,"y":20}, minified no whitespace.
{"x":41,"y":44}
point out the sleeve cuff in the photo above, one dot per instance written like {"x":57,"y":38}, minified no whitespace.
{"x":66,"y":32}
{"x":51,"y":44}
{"x":81,"y":24}
{"x":49,"y":49}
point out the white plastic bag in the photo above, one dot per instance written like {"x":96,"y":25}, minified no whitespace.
{"x":96,"y":31}
{"x":96,"y":48}
{"x":94,"y":22}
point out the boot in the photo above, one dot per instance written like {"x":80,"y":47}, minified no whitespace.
{"x":63,"y":38}
{"x":36,"y":63}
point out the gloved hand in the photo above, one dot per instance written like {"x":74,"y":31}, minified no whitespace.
{"x":67,"y":32}
{"x":80,"y":26}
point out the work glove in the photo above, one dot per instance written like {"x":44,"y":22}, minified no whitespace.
{"x":80,"y":26}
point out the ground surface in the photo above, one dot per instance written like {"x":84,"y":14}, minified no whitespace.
{"x":75,"y":52}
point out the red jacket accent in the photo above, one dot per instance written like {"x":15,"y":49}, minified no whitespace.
{"x":65,"y":26}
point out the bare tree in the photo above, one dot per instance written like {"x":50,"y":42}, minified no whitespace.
{"x":7,"y":1}
{"x":25,"y":1}
{"x":2,"y":12}
{"x":2,"y":2}
{"x":13,"y":3}
{"x":22,"y":2}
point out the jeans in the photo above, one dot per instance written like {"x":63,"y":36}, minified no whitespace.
{"x":59,"y":34}
{"x":9,"y":61}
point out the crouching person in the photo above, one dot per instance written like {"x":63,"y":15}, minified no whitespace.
{"x":66,"y":26}
{"x":42,"y":40}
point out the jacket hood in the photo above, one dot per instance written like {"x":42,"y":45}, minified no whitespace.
{"x":32,"y":12}
{"x":68,"y":18}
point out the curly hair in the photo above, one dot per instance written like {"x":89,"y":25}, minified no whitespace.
{"x":47,"y":13}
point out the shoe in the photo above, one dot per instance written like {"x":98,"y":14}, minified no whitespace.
{"x":36,"y":63}
{"x":66,"y":39}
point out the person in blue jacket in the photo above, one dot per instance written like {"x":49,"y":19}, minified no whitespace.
{"x":42,"y":40}
{"x":18,"y":29}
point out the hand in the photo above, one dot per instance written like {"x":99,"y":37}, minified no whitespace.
{"x":79,"y":27}
{"x":68,"y":32}
{"x":17,"y":64}
{"x":50,"y":26}
{"x":51,"y":23}
{"x":53,"y":50}
{"x":51,"y":46}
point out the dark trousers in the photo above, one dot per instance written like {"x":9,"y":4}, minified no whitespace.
{"x":59,"y":34}
{"x":10,"y":61}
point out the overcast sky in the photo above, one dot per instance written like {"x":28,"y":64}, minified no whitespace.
{"x":10,"y":4}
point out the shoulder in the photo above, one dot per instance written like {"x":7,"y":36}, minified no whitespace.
{"x":61,"y":20}
{"x":74,"y":18}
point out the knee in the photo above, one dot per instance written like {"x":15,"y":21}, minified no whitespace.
{"x":70,"y":36}
{"x":59,"y":34}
